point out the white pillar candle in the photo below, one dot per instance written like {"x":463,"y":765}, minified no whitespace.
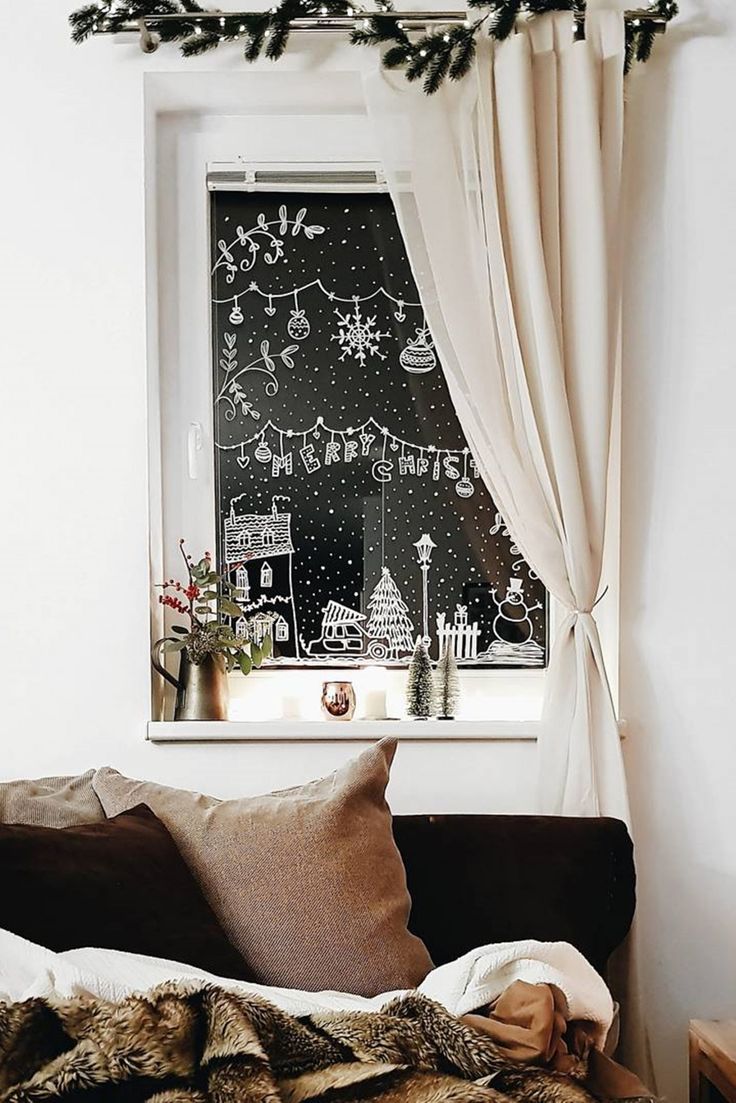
{"x":373,"y":693}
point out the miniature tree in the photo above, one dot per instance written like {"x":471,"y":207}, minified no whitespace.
{"x":389,"y":617}
{"x":446,"y":686}
{"x":420,"y":685}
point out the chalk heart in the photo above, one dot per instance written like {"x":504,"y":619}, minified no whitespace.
{"x":243,"y":461}
{"x":270,"y":310}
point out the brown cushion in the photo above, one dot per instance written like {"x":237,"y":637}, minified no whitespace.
{"x":307,"y":883}
{"x":119,"y":884}
{"x":50,"y":801}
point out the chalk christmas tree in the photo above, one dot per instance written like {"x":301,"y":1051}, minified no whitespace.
{"x":447,"y":686}
{"x":389,"y":616}
{"x":419,"y":684}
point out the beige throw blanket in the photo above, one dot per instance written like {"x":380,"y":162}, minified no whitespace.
{"x":184,"y":1043}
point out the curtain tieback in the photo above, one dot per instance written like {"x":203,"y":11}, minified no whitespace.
{"x":588,"y":612}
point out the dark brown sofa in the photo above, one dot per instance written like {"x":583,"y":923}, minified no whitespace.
{"x":480,"y":879}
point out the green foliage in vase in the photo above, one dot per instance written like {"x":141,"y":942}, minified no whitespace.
{"x":208,"y":601}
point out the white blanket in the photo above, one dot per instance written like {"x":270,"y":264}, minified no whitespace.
{"x":467,"y":984}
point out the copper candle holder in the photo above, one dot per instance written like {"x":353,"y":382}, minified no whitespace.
{"x":338,"y":700}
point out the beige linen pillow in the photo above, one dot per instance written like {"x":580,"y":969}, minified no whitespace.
{"x":51,"y":801}
{"x":307,"y":883}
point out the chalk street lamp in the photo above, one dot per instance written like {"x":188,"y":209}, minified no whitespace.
{"x":425,"y":545}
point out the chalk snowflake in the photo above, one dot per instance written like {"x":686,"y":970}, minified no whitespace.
{"x":358,"y":336}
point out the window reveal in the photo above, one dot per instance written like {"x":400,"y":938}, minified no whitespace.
{"x":350,"y":511}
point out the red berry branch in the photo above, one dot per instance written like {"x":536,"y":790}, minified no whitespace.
{"x":209,"y":601}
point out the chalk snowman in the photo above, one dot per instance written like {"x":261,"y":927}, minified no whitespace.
{"x":512,"y":622}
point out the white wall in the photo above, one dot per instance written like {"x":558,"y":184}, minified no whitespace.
{"x":73,"y":645}
{"x":678,"y":667}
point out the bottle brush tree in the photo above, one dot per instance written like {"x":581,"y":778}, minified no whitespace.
{"x":420,"y":684}
{"x":446,"y":685}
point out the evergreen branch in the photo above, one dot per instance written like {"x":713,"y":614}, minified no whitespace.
{"x":433,"y":57}
{"x":396,"y":57}
{"x":645,"y":42}
{"x":199,"y":44}
{"x":539,"y":7}
{"x":173,"y":30}
{"x":280,"y":26}
{"x":504,"y":19}
{"x":256,"y":27}
{"x":439,"y":67}
{"x":629,"y":47}
{"x":83,"y":22}
{"x":375,"y":32}
{"x":463,"y":55}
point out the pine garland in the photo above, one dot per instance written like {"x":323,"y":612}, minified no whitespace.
{"x":432,"y":57}
{"x":447,"y":684}
{"x":419,"y":683}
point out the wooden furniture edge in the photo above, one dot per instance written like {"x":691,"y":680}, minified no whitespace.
{"x":712,"y":1045}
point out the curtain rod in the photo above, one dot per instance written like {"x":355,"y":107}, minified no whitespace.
{"x":337,"y":23}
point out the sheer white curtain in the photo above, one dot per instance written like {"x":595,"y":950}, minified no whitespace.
{"x":506,"y":186}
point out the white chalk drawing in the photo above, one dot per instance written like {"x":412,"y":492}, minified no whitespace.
{"x":261,"y":239}
{"x":346,"y":445}
{"x":512,"y":622}
{"x":266,"y":537}
{"x":255,"y":628}
{"x":298,"y":327}
{"x":499,"y":525}
{"x":231,"y":392}
{"x":242,"y":582}
{"x":344,"y":633}
{"x":263,"y":453}
{"x":513,"y":644}
{"x":257,"y":535}
{"x":385,"y":632}
{"x":418,"y":355}
{"x":359,"y":336}
{"x":281,"y":628}
{"x":464,"y":487}
{"x":460,"y":636}
{"x":389,"y":616}
{"x":501,"y":653}
{"x":425,"y":545}
{"x":341,"y":631}
{"x":331,"y":296}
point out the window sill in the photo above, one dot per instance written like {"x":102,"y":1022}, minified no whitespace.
{"x":267,"y":731}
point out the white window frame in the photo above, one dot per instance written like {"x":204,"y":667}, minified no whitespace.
{"x":193,"y":124}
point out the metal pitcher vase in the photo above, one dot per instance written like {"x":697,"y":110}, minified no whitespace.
{"x":201,"y":688}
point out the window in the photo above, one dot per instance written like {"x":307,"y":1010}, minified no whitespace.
{"x":349,"y":510}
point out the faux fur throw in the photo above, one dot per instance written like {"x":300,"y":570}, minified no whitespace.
{"x":184,"y":1044}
